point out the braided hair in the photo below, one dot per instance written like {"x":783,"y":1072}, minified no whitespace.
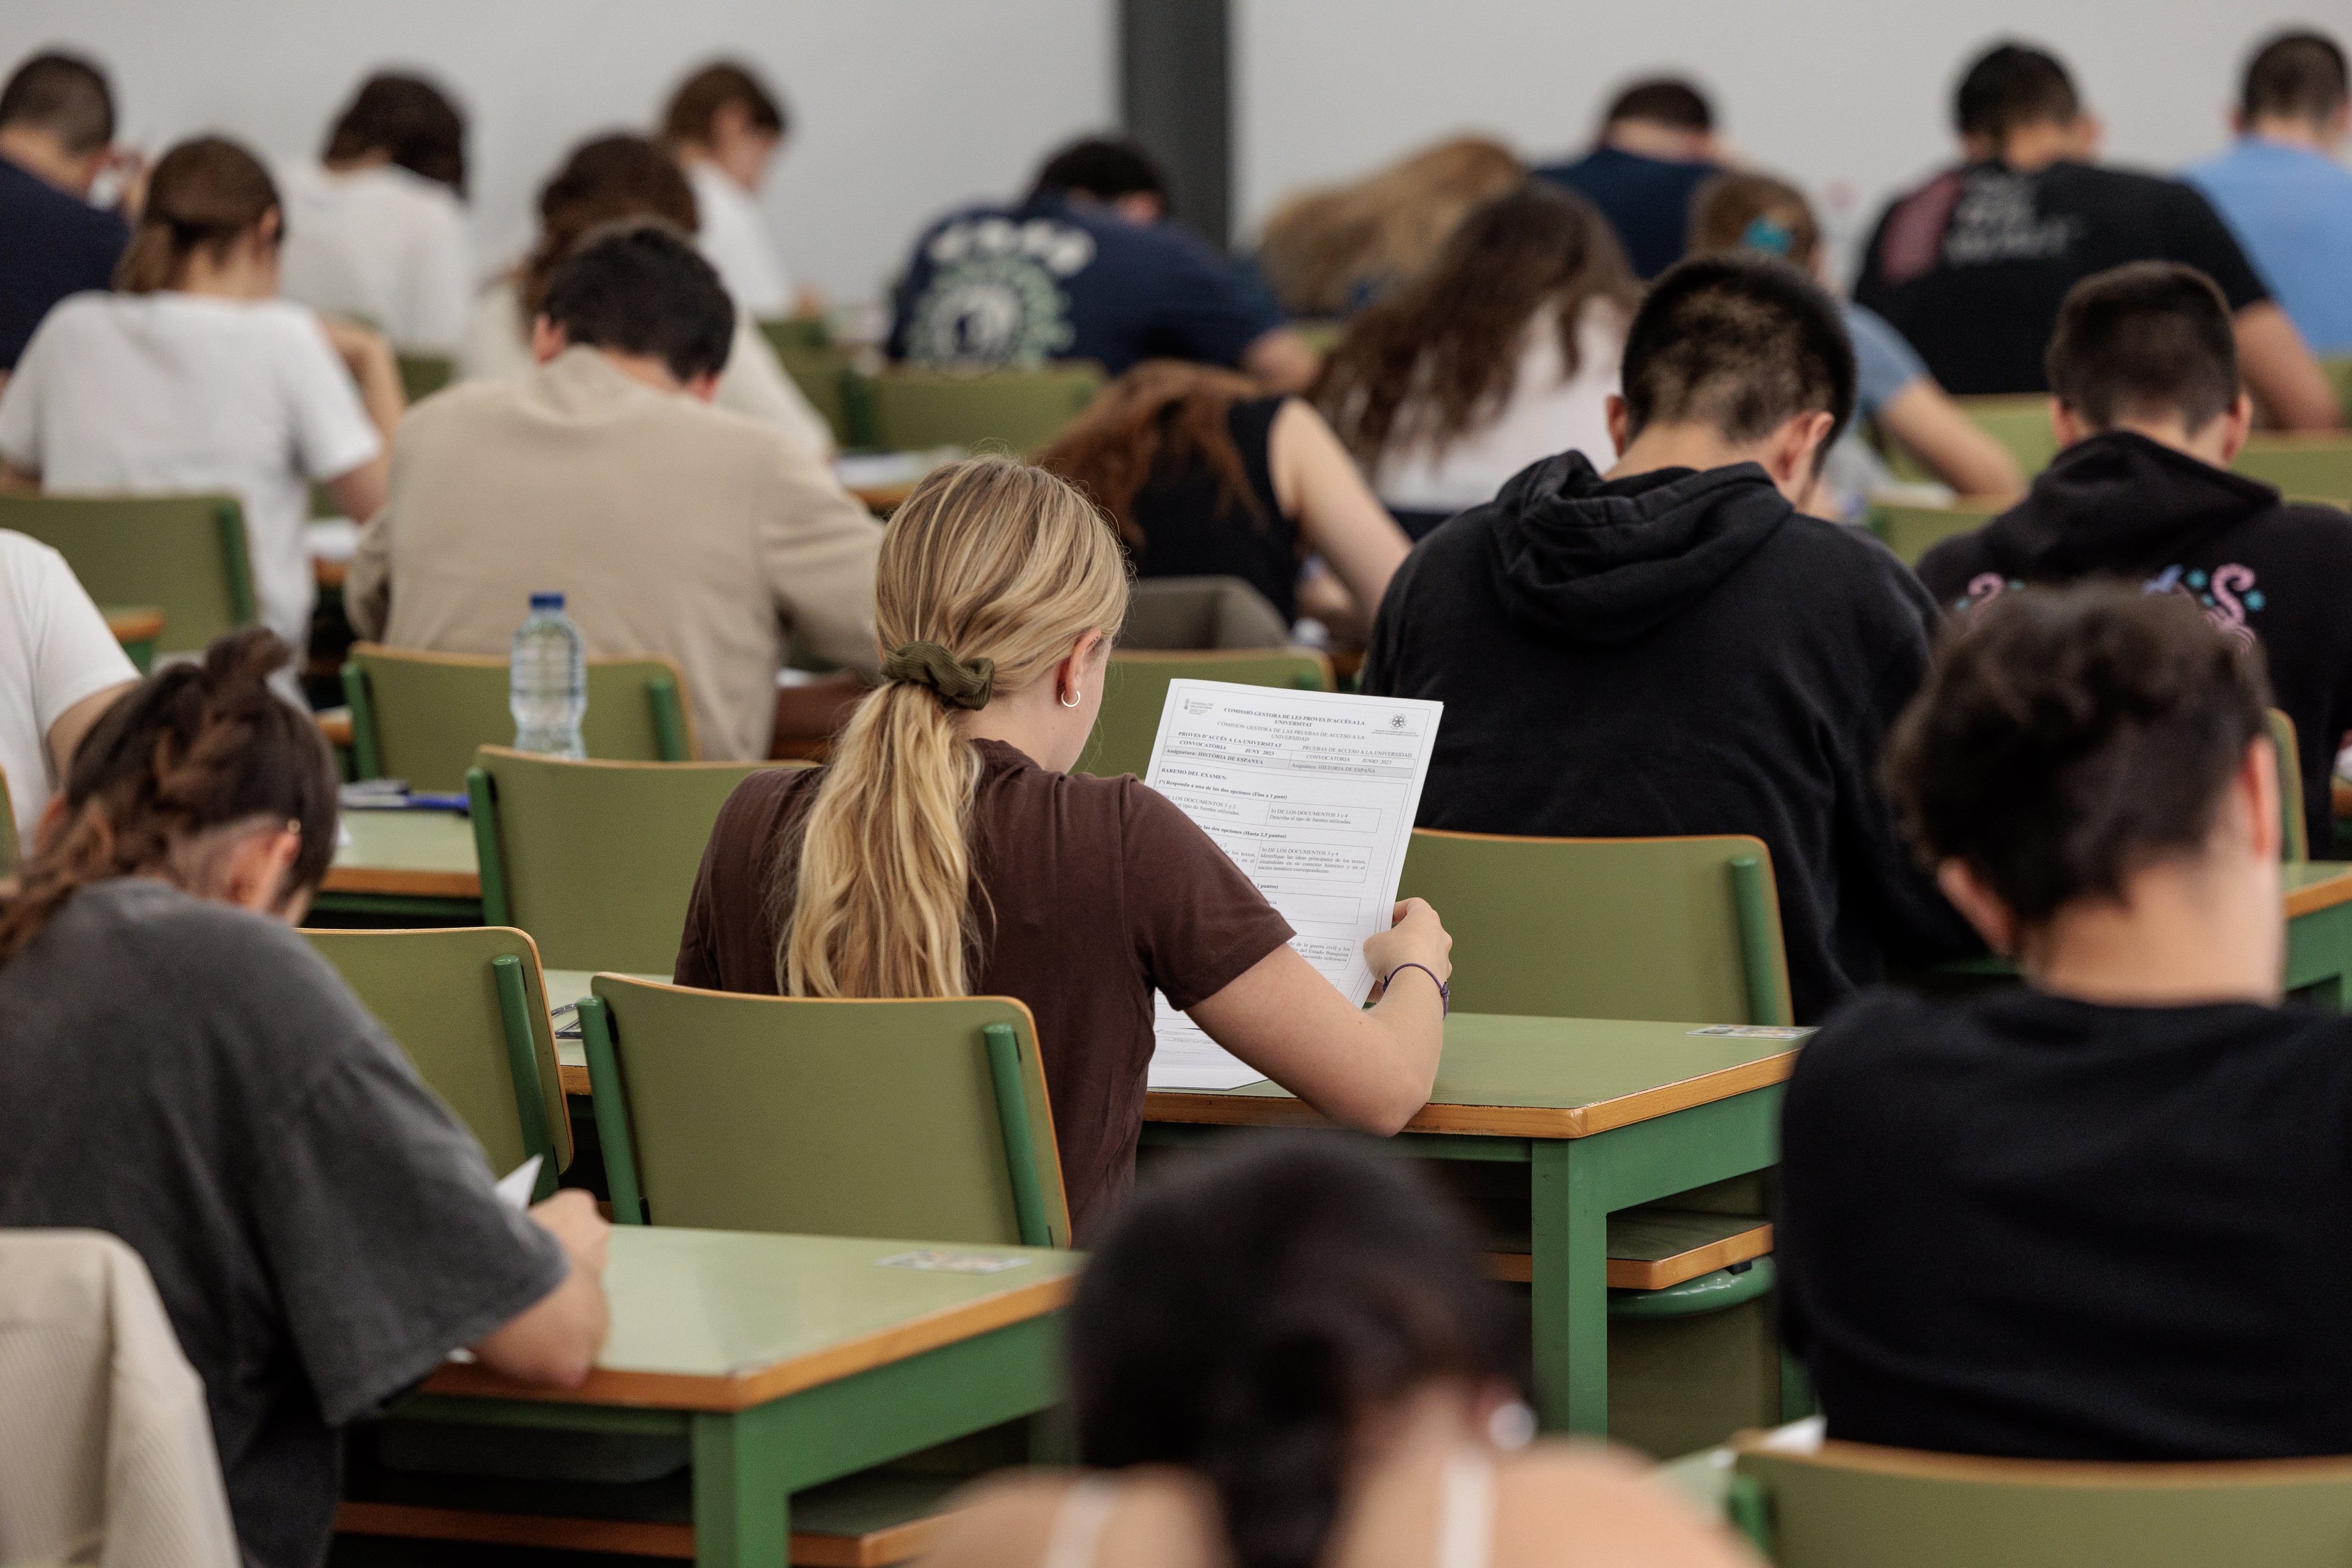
{"x":194,"y":749}
{"x":1252,"y":1311}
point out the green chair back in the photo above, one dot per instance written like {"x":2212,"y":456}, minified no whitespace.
{"x":1019,"y":410}
{"x":186,"y":555}
{"x":2295,"y":833}
{"x":9,"y":854}
{"x":823,"y":375}
{"x":2306,"y":468}
{"x":1681,"y":929}
{"x":595,"y":859}
{"x":1854,"y":1506}
{"x":419,"y":716}
{"x":796,"y":333}
{"x":1135,"y":689}
{"x":1911,"y":531}
{"x":926,"y":1121}
{"x":2021,"y":424}
{"x":422,"y":375}
{"x":470,"y":1007}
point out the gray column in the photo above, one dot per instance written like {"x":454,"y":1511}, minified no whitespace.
{"x":1176,"y":96}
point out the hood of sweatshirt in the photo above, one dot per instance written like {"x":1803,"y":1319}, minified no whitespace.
{"x":2119,"y":496}
{"x":1580,"y":559}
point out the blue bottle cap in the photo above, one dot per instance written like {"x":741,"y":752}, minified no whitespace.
{"x":547,"y":601}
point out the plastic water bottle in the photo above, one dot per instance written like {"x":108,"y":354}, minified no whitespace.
{"x":547,"y":689}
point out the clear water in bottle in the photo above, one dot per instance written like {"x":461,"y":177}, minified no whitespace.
{"x":547,"y":689}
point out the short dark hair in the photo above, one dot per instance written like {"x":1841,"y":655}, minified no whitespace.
{"x":2066,"y":738}
{"x":2013,"y":85}
{"x":65,"y":95}
{"x":1103,"y":167}
{"x":643,"y":289}
{"x":1743,"y":342}
{"x":2295,"y":75}
{"x":1254,"y":1306}
{"x":700,"y":97}
{"x":2141,"y":341}
{"x":410,"y":120}
{"x":1663,"y":100}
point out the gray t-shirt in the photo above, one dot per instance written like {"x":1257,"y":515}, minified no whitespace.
{"x":194,"y":1079}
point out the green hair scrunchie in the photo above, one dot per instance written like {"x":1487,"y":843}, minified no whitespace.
{"x":959,"y":684}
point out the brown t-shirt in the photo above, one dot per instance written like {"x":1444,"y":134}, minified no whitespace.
{"x":1088,"y":894}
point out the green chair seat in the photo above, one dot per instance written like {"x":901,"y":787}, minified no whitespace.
{"x":925,"y":1121}
{"x":1911,"y":531}
{"x":1135,"y":690}
{"x":418,"y":716}
{"x":470,"y":1007}
{"x":1684,"y":929}
{"x":1851,"y":1505}
{"x":595,"y":859}
{"x":185,"y":555}
{"x":914,"y":409}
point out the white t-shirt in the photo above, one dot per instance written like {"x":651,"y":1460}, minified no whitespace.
{"x":381,"y":244}
{"x":1548,"y":411}
{"x":734,"y":239}
{"x":171,"y":394}
{"x":753,"y":383}
{"x":55,"y":650}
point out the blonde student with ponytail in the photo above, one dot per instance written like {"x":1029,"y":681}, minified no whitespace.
{"x":182,"y":1071}
{"x":948,"y":850}
{"x":194,"y":376}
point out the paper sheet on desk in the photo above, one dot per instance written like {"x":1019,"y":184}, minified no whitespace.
{"x":1313,"y":793}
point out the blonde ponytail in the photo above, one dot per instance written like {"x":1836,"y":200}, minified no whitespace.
{"x":1001,"y":568}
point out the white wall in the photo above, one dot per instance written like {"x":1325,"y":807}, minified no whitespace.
{"x":1837,"y":94}
{"x":900,"y":108}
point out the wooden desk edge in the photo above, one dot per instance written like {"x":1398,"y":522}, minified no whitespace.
{"x":388,"y":882}
{"x":686,"y":1390}
{"x":1487,"y":1121}
{"x":2321,"y":895}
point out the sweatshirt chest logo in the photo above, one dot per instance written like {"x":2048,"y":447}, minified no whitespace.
{"x":2227,"y":595}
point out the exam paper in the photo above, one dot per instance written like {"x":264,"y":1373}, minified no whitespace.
{"x":1313,"y":793}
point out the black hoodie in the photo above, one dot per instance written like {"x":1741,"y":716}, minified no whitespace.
{"x":2270,"y":575}
{"x":1679,"y":652}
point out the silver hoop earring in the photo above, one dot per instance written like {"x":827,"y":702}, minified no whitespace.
{"x":1073,"y":700}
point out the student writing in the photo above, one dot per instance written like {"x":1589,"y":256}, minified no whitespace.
{"x":948,"y":851}
{"x":185,"y":1072}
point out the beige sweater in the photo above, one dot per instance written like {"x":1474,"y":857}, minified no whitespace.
{"x":671,"y":528}
{"x":106,"y":1445}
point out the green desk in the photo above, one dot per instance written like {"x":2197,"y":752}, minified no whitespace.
{"x":565,"y":986}
{"x":1604,"y":1115}
{"x":787,"y":1361}
{"x":2318,"y":942}
{"x":416,"y":867}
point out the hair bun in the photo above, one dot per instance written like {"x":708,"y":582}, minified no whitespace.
{"x":247,"y":657}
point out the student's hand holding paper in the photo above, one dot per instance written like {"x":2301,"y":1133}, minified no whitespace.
{"x":571,"y":1217}
{"x":1415,"y":936}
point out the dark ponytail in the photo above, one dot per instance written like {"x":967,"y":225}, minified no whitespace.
{"x":1250,"y":1310}
{"x":204,"y":195}
{"x":191,"y":748}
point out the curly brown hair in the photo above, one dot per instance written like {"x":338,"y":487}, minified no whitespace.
{"x":1323,"y":248}
{"x":1450,"y":341}
{"x":1162,"y":412}
{"x":193,"y":748}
